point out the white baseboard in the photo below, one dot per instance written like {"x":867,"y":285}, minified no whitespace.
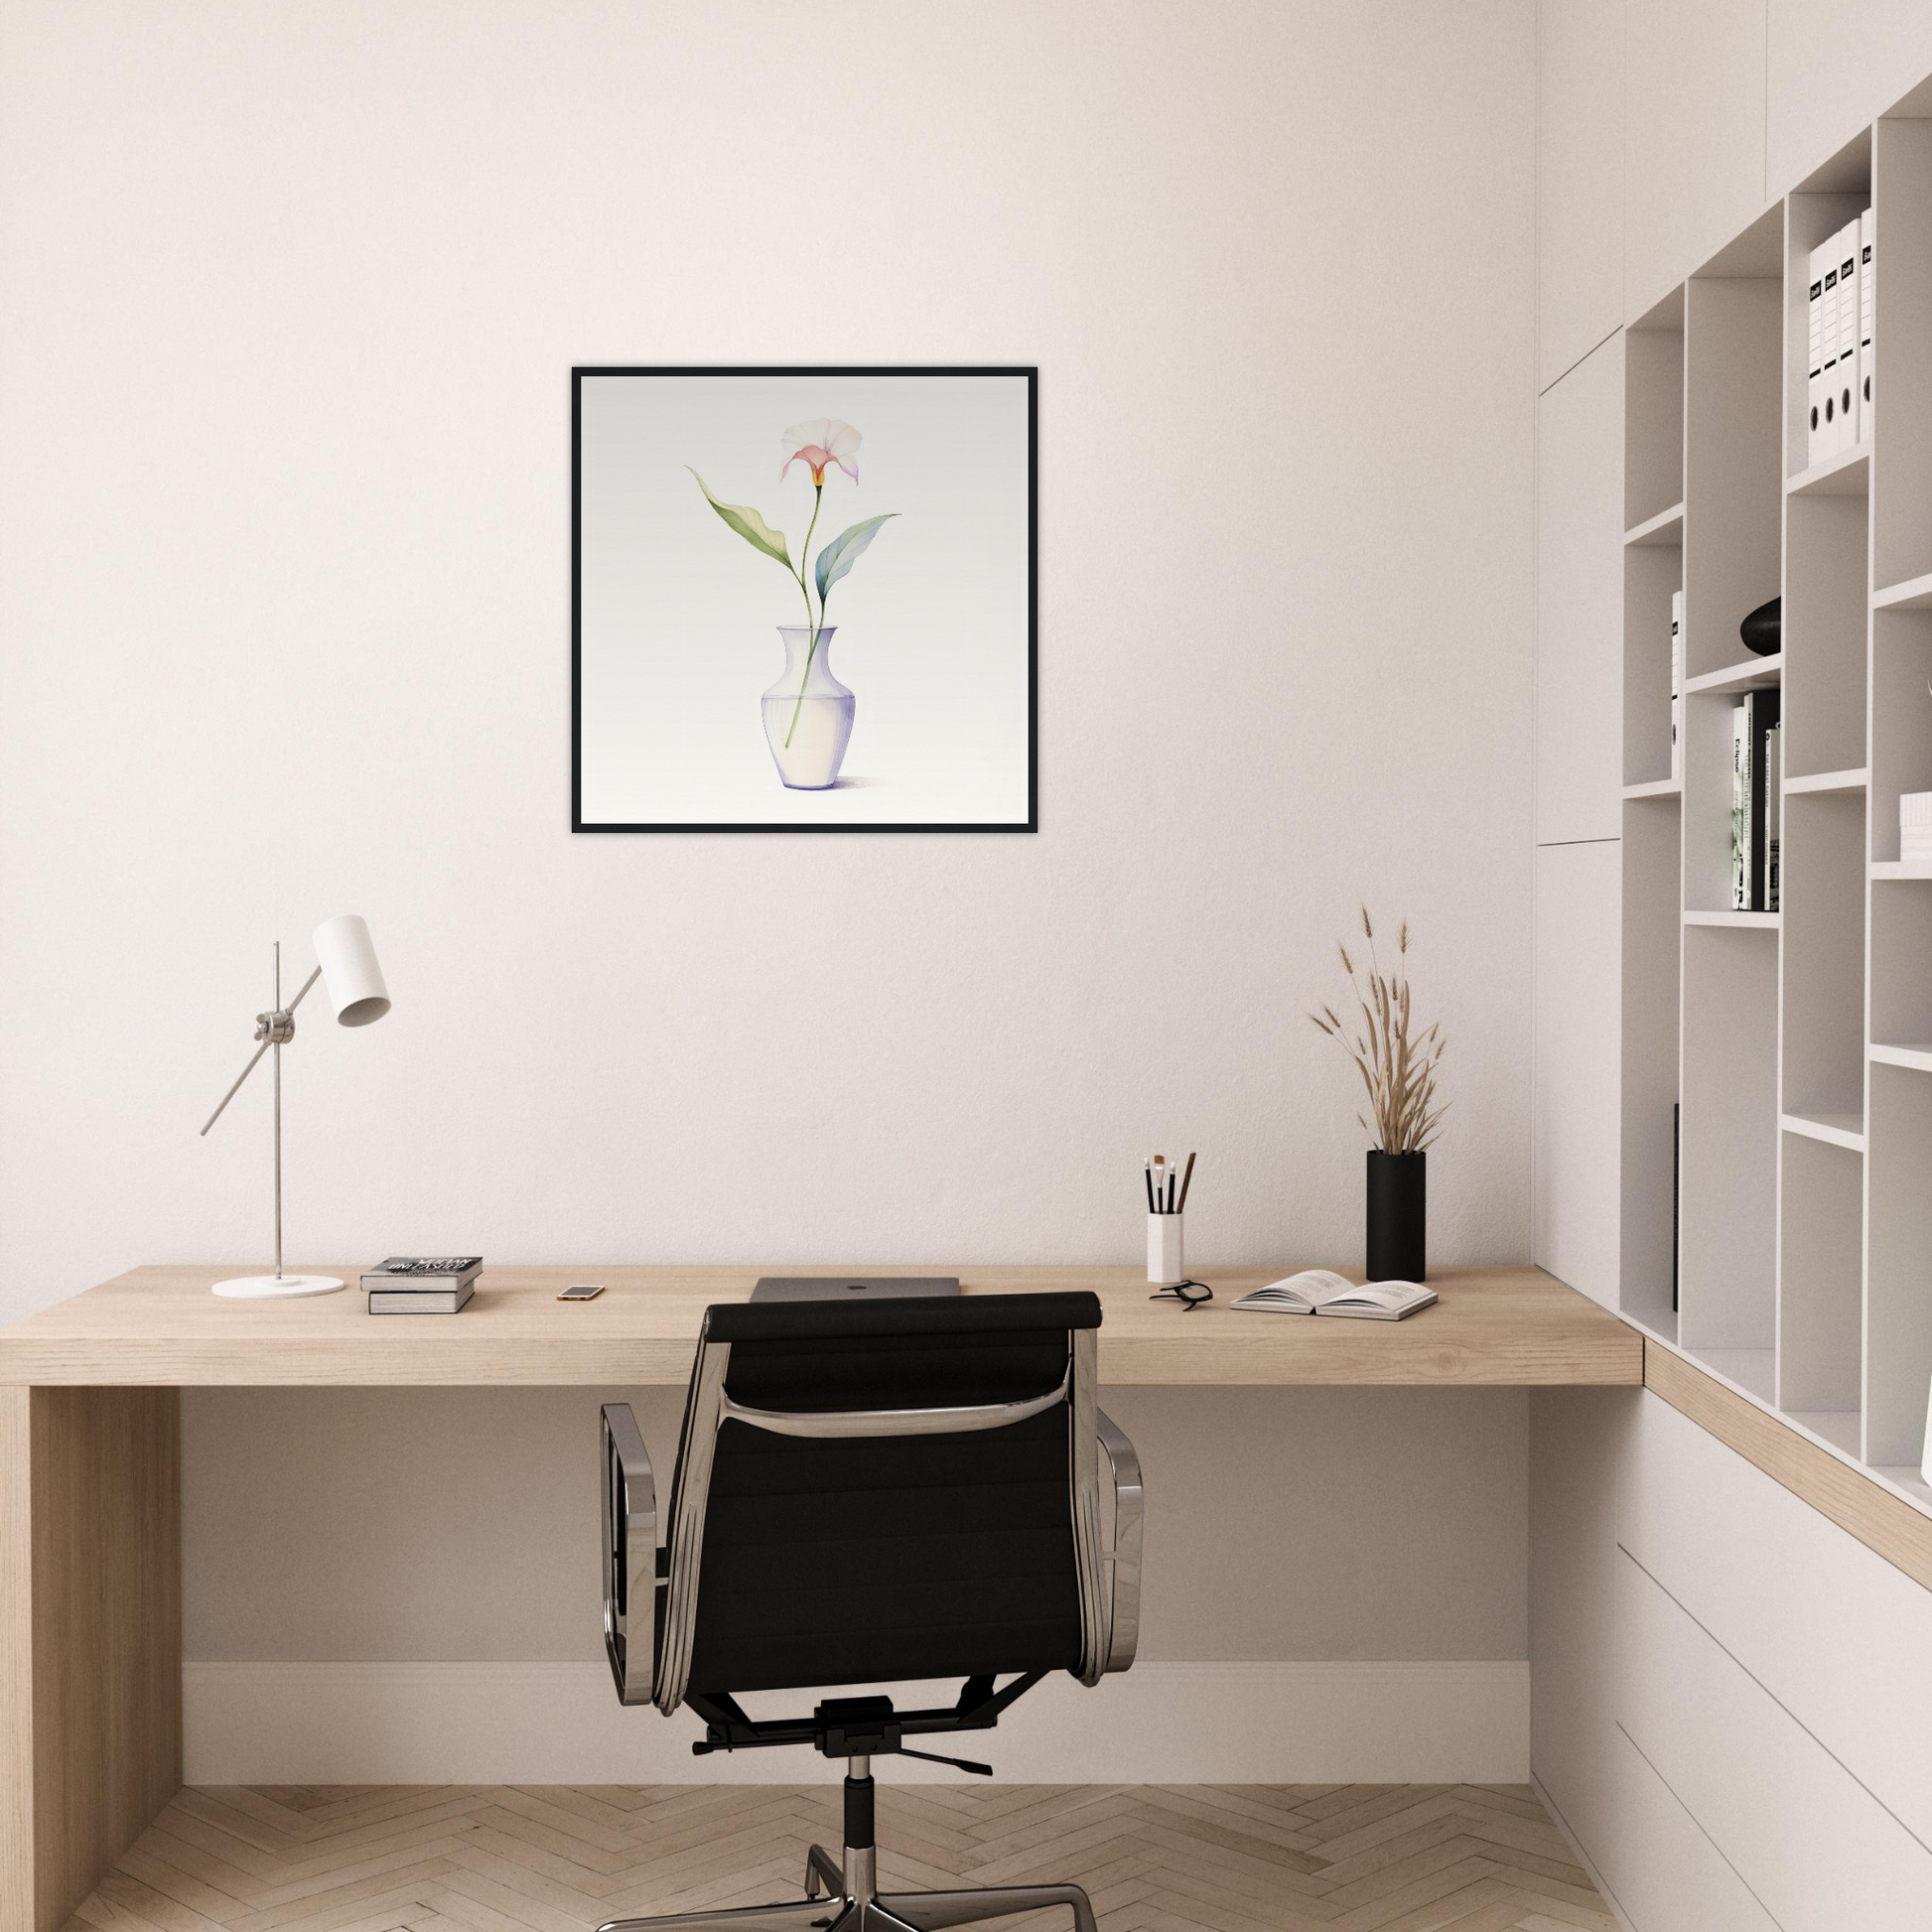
{"x":561,"y":1724}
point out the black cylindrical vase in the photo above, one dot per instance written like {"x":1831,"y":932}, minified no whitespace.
{"x":1398,"y":1216}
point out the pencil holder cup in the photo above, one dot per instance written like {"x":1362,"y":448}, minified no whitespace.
{"x":1164,"y":1249}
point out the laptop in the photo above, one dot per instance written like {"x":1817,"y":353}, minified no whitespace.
{"x":849,"y":1288}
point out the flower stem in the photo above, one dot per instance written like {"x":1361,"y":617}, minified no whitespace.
{"x":804,"y":557}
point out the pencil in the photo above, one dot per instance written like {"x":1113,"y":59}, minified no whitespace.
{"x":1186,"y":1180}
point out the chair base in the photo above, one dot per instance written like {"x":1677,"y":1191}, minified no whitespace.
{"x":855,"y":1907}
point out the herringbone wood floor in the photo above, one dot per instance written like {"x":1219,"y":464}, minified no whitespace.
{"x":562,"y":1858}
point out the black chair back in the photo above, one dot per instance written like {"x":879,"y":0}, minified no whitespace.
{"x":886,"y":1490}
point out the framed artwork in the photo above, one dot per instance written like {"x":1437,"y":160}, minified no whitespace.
{"x":804,"y":600}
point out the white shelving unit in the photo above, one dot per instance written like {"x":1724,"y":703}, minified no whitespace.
{"x":1797,"y":1043}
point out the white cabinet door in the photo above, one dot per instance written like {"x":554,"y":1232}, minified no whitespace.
{"x":1578,"y":180}
{"x":1783,"y":1589}
{"x":1579,"y":602}
{"x":1659,"y":1864}
{"x":1574,"y":1116}
{"x":1693,"y":137}
{"x":1818,"y":1851}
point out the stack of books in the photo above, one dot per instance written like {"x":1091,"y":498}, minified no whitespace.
{"x":1756,"y":832}
{"x":422,"y":1284}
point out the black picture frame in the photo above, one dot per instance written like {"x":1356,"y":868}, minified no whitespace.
{"x":578,"y":376}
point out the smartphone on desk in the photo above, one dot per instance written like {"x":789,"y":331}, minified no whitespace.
{"x":582,"y":1292}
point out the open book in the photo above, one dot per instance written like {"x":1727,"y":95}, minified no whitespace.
{"x":1320,"y":1291}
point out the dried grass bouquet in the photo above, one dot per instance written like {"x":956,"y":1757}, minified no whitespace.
{"x":1398,"y":1071}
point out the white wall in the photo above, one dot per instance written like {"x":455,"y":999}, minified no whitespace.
{"x":289,"y":303}
{"x":292,"y":298}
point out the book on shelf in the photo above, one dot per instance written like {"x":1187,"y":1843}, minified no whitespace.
{"x":1868,"y":301}
{"x":1751,"y":721}
{"x":1773,"y":808}
{"x":1761,"y":719}
{"x":1740,"y":811}
{"x":1677,"y":686}
{"x":1815,"y":358}
{"x":420,"y":1301}
{"x":1846,"y":394}
{"x":1752,"y":816}
{"x":1320,"y":1291}
{"x":1827,"y":269}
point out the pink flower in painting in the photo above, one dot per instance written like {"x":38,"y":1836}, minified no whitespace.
{"x":819,"y":444}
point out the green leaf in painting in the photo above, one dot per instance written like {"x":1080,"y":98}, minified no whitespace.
{"x":844,"y":551}
{"x":749,"y":524}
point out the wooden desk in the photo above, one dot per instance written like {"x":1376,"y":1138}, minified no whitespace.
{"x":90,"y":1461}
{"x":161,"y":1327}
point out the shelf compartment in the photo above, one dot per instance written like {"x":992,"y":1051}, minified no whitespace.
{"x":1826,"y":781}
{"x":1653,"y":939}
{"x":1826,"y":577}
{"x":1664,"y":531}
{"x":1656,"y":788}
{"x":1708,"y":720}
{"x":1902,"y":965}
{"x":1902,"y":719}
{"x":1821,"y":1257}
{"x":1814,"y":213}
{"x":1653,"y":414}
{"x":1835,"y":1130}
{"x":1753,"y":674}
{"x":1650,"y":577}
{"x":1734,"y":471}
{"x":1915,"y":593}
{"x":1846,"y":475}
{"x":1823,"y":922}
{"x":1898,"y":1296}
{"x":1729,"y":1238}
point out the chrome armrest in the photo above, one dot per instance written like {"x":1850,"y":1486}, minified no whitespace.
{"x":630,"y":1555}
{"x":1123,"y":1559}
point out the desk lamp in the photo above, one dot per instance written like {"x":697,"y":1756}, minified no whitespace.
{"x":352,"y":982}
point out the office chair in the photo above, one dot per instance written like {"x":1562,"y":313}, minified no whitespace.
{"x":867,"y":1494}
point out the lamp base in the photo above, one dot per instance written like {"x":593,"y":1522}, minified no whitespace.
{"x":276,"y":1288}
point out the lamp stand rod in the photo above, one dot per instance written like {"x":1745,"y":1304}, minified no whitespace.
{"x":273,"y":1029}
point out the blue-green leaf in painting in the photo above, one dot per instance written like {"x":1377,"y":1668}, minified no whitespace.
{"x":844,"y":550}
{"x":749,"y":524}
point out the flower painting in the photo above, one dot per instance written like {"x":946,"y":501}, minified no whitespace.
{"x":714,"y":692}
{"x":810,"y":763}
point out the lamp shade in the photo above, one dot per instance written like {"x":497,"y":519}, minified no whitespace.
{"x":349,"y":975}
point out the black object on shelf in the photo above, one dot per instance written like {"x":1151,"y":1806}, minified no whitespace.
{"x":1398,"y":1216}
{"x":1764,"y":631}
{"x":1676,"y":1192}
